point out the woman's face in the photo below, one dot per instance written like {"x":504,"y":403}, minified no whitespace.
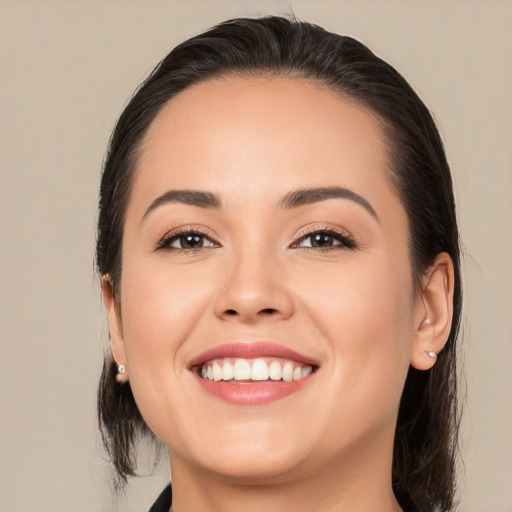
{"x":265,"y":246}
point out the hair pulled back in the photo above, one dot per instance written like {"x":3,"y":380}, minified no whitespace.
{"x":426,"y":433}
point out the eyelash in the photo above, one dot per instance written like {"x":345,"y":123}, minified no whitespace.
{"x":165,"y":243}
{"x":347,"y":242}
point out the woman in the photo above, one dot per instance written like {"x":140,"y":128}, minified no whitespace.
{"x":279,"y":252}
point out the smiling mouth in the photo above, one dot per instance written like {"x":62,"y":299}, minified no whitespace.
{"x":245,"y":371}
{"x":252,"y":373}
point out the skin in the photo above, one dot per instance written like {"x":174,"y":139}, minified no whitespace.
{"x":354,"y":310}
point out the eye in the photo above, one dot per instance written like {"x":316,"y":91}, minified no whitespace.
{"x":188,"y":240}
{"x":325,"y":239}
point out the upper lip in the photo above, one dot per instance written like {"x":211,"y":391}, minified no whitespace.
{"x":251,"y":351}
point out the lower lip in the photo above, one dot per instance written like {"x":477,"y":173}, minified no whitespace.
{"x":257,"y":393}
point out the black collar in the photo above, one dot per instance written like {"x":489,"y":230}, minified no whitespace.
{"x":163,"y":502}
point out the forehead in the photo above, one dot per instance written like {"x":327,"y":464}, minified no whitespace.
{"x":244,"y":134}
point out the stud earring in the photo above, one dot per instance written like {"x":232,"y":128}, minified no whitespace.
{"x":121,"y":376}
{"x":430,"y":353}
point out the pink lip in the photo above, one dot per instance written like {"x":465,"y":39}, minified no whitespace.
{"x":254,"y":393}
{"x":257,"y":393}
{"x":251,"y":351}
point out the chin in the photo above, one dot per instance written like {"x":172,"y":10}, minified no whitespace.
{"x":256,"y":460}
{"x":255,"y":467}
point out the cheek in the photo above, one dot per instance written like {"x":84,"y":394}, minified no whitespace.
{"x":160,"y":311}
{"x":354,"y":299}
{"x":366,"y":314}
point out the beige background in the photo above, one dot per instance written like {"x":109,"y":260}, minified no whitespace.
{"x":67,"y":68}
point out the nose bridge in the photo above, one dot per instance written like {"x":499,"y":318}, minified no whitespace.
{"x":253,"y":286}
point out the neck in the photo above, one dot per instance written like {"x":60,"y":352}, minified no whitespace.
{"x":361,"y":485}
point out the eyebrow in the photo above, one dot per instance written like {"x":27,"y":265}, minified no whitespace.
{"x":190,"y":197}
{"x":305,"y":196}
{"x":291,"y":200}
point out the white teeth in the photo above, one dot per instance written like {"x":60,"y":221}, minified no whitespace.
{"x":217,"y":372}
{"x":242,"y":370}
{"x":304,"y":372}
{"x":288,"y":372}
{"x":275,"y":371}
{"x":227,"y":371}
{"x":261,"y":369}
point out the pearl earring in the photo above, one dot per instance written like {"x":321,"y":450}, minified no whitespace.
{"x":430,"y":353}
{"x":122,"y":376}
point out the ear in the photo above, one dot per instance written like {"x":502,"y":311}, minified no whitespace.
{"x":433,"y":318}
{"x":114,"y":324}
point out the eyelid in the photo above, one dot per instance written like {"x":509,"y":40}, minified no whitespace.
{"x":164,"y":242}
{"x":346,"y":239}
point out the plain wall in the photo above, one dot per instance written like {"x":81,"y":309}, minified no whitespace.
{"x":67,"y":68}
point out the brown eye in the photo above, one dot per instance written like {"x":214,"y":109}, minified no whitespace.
{"x":322,"y":240}
{"x":186,"y":241}
{"x":325,"y":240}
{"x":191,"y":241}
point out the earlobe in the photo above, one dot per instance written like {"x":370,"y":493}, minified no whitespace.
{"x":434,"y":313}
{"x":115,"y":327}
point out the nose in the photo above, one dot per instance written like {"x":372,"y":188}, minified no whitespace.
{"x":254,"y":290}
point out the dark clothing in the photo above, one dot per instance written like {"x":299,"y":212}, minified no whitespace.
{"x":163,"y":502}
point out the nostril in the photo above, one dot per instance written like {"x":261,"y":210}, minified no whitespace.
{"x":266,"y":311}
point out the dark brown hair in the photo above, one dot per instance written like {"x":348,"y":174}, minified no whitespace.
{"x":426,"y":432}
